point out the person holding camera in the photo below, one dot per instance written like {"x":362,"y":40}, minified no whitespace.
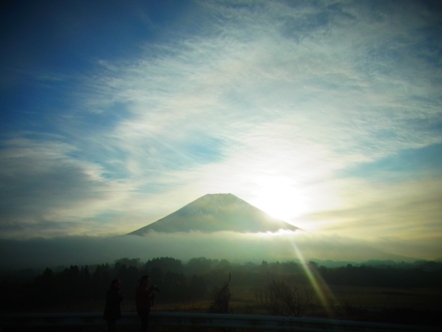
{"x":144,"y":295}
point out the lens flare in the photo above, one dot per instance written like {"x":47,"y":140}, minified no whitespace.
{"x":321,"y":289}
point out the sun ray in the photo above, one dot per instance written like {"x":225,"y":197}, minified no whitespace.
{"x":320,"y":287}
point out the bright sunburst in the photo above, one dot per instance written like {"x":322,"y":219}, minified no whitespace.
{"x":279,"y":198}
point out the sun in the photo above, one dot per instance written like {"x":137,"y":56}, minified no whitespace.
{"x":279,"y":198}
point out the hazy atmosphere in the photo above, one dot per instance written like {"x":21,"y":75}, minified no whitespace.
{"x":324,"y":114}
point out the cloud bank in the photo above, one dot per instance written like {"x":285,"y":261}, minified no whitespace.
{"x":65,"y":251}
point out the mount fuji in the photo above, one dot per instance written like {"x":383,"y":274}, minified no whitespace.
{"x":214,"y":213}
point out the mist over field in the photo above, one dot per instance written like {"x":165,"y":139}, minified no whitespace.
{"x":215,"y":226}
{"x":40,"y":253}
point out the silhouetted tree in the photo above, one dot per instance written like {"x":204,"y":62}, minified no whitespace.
{"x":222,"y":299}
{"x":200,"y":265}
{"x":166,"y":264}
{"x":284,"y":298}
{"x":197,"y":287}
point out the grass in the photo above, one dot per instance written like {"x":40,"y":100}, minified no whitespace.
{"x":243,"y":301}
{"x":420,"y":306}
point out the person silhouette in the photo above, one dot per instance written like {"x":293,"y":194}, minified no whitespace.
{"x":144,"y":295}
{"x":112,"y":310}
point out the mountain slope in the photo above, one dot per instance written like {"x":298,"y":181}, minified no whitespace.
{"x":217,"y":212}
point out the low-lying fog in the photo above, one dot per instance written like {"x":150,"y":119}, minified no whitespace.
{"x":38,"y":253}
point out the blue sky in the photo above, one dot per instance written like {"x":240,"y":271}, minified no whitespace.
{"x":326,"y":114}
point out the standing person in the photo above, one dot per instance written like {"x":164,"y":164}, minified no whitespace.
{"x":143,"y":298}
{"x":112,"y":310}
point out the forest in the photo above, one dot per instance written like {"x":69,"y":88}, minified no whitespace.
{"x":280,"y":288}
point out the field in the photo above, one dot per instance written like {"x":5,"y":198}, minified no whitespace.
{"x":345,"y":302}
{"x":398,"y":294}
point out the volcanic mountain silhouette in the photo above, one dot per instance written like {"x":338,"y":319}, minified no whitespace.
{"x":214,"y":213}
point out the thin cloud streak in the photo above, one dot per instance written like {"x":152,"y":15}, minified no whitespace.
{"x":407,"y":211}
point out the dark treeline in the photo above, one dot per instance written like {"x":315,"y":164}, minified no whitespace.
{"x":420,"y":274}
{"x":194,"y":280}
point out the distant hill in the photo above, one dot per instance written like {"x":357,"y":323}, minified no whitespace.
{"x":214,"y":213}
